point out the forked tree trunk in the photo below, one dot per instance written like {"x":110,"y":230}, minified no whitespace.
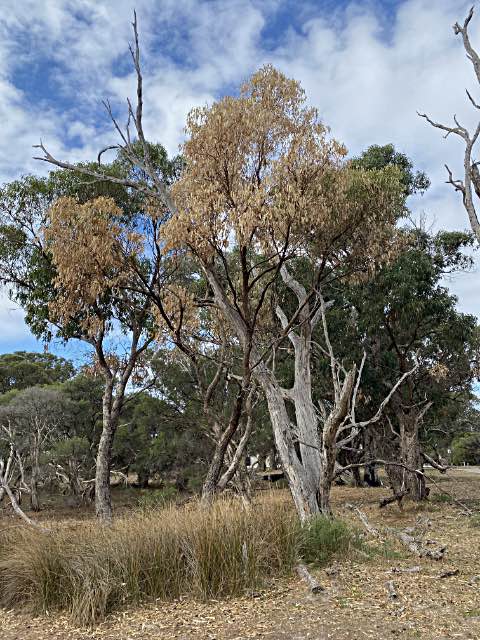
{"x":225,"y":450}
{"x":210,"y":485}
{"x":303,"y":490}
{"x":309,"y":472}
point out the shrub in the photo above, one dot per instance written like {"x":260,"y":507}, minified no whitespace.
{"x":466,"y":448}
{"x":322,"y":538}
{"x":157,"y":498}
{"x":443,"y":498}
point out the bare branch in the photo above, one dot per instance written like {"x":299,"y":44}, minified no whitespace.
{"x":472,"y":55}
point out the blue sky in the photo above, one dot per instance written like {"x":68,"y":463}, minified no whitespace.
{"x":368,"y":67}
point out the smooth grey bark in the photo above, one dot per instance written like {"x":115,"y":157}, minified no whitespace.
{"x":35,"y":473}
{"x":310,"y":472}
{"x":14,"y":502}
{"x":471,"y":173}
{"x":112,"y":403}
{"x":103,"y":495}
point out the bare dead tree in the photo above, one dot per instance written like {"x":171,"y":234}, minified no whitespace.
{"x":471,"y":174}
{"x":5,"y":487}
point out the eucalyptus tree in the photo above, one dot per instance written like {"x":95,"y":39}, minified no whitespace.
{"x":263,"y":179}
{"x":22,"y":369}
{"x":407,"y":315}
{"x":74,"y":257}
{"x":29,"y":422}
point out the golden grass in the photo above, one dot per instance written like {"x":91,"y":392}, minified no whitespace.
{"x":90,"y":570}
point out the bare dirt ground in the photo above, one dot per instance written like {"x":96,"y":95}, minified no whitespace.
{"x":355,"y":603}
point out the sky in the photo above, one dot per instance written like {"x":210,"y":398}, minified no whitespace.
{"x":368,"y":66}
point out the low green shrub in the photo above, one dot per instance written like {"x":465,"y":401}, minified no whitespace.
{"x":442,"y":498}
{"x":157,"y":498}
{"x":323,"y":538}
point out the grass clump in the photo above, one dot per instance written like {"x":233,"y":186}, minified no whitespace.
{"x":475,"y":520}
{"x":322,"y":538}
{"x":442,"y":498}
{"x":91,"y":570}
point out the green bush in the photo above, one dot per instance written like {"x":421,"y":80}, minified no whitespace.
{"x":443,"y":498}
{"x":466,"y":448}
{"x":323,"y":538}
{"x":157,"y":499}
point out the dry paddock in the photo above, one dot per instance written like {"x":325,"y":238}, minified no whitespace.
{"x":356,"y":602}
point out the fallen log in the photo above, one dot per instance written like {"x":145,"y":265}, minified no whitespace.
{"x":449,"y":573}
{"x":416,"y":546}
{"x":313,"y":584}
{"x":363,"y":518}
{"x":396,"y":497}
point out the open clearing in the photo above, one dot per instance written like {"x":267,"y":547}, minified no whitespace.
{"x":355,"y":603}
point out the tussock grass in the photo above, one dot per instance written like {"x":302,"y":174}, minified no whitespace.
{"x":91,"y":570}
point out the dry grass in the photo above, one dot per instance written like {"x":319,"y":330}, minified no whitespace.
{"x":354,"y":605}
{"x":90,"y":570}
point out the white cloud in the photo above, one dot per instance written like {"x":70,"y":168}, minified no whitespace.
{"x":367,"y":78}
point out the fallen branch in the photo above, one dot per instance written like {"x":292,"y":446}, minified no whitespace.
{"x":371,"y":530}
{"x":419,"y":472}
{"x":449,"y":573}
{"x":436,"y":465}
{"x":415,"y":569}
{"x":416,"y":546}
{"x":16,"y":507}
{"x":304,"y":573}
{"x":397,"y":497}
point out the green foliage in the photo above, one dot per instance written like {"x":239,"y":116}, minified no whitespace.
{"x":157,"y":498}
{"x":466,"y":448}
{"x":25,"y":263}
{"x":442,"y":498}
{"x":378,"y":157}
{"x":70,"y":449}
{"x":21,"y":369}
{"x":322,"y":538}
{"x":158,"y":437}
